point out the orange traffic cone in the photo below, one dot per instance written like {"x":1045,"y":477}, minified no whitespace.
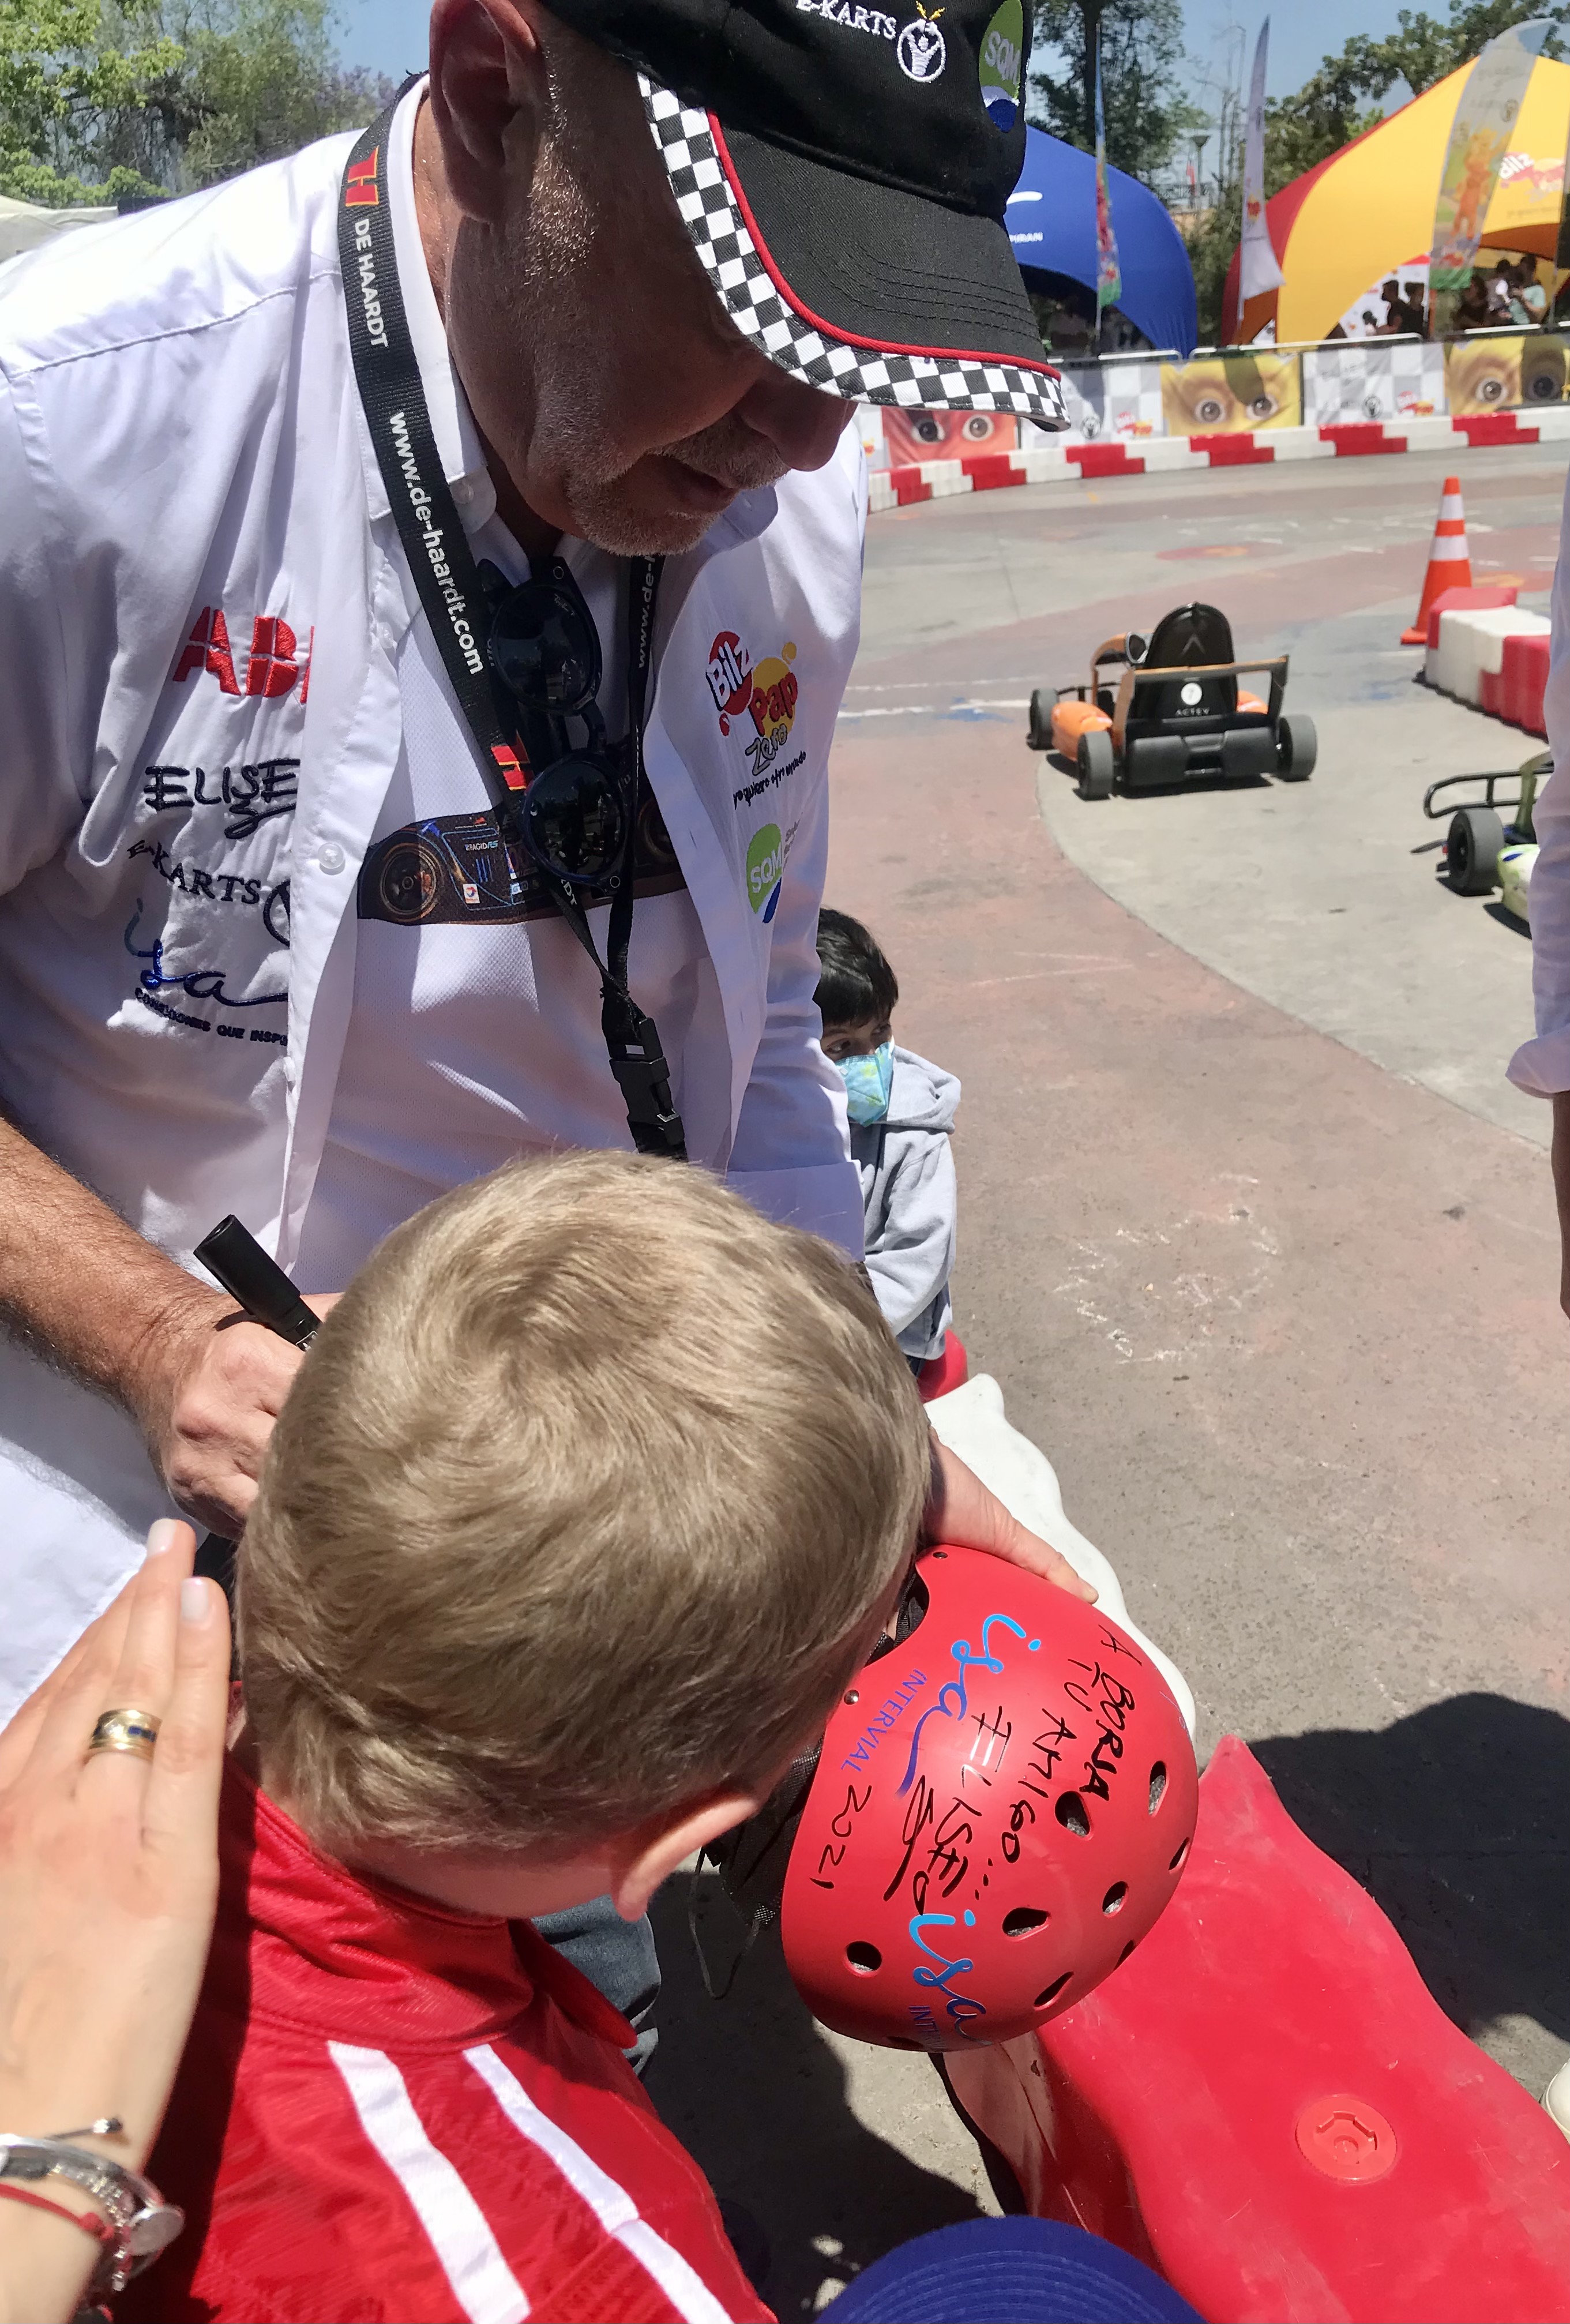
{"x":1449,"y":561}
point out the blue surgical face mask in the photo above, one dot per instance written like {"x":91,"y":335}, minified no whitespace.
{"x":867,"y":1082}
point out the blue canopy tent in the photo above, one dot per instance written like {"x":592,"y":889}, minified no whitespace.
{"x":1051,"y":219}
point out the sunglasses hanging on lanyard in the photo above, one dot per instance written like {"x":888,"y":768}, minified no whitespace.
{"x":574,"y":812}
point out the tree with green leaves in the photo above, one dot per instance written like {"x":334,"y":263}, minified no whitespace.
{"x":1141,"y":50}
{"x":104,"y":98}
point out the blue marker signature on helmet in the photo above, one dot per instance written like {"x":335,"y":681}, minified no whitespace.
{"x":951,"y":1701}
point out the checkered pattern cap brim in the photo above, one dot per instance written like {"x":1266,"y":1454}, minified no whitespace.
{"x":862,"y":375}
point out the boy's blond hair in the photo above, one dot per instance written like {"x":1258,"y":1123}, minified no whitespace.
{"x":571,"y":1512}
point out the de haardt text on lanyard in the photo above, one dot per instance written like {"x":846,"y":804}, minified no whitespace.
{"x":513,"y":738}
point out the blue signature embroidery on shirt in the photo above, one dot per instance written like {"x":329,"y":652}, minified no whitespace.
{"x":200,"y":983}
{"x":947,"y":1708}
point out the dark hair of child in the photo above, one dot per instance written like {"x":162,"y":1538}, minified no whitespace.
{"x":857,"y":986}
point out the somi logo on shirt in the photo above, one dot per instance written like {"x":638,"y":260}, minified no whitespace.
{"x":1003,"y":44}
{"x":765,"y":864}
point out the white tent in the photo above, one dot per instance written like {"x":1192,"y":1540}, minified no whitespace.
{"x":24,"y":224}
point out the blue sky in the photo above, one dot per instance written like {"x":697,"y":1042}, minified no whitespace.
{"x":389,"y":35}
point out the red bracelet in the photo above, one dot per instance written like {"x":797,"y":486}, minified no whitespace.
{"x":90,"y":2222}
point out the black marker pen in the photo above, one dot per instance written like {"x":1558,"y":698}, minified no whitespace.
{"x":237,"y":1263}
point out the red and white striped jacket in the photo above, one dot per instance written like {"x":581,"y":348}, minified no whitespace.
{"x":395,"y":2114}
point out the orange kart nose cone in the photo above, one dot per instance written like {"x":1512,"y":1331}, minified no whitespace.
{"x":1072,"y":719}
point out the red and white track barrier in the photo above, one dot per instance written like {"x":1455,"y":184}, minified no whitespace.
{"x":1081,"y":463}
{"x":1482,"y":649}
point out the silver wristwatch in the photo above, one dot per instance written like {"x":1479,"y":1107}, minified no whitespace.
{"x":143,"y":2223}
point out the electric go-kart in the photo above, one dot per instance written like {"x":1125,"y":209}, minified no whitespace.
{"x":1178,"y":711}
{"x":1482,"y":851}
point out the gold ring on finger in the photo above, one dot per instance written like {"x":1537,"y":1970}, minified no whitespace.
{"x":134,"y":1731}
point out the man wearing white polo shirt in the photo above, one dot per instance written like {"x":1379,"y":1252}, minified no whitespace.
{"x":429,"y":572}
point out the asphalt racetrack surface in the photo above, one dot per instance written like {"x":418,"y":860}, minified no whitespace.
{"x":1254,"y":1235}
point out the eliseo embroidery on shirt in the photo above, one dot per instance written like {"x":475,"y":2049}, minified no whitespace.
{"x":250,"y":796}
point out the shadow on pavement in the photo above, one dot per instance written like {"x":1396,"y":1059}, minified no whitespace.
{"x":755,"y":2090}
{"x":1454,"y":1819}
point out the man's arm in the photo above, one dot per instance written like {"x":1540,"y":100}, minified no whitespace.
{"x":1541,"y":1067}
{"x":91,"y":1295}
{"x":77,"y":1282}
{"x":1562,"y":1190}
{"x":791,"y":1154}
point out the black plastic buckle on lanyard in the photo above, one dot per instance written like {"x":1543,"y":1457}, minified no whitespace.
{"x":453,"y":598}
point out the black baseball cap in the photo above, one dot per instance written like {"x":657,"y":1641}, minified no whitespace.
{"x":842,"y":171}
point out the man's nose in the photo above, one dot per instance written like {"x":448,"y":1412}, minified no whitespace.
{"x":801,"y":423}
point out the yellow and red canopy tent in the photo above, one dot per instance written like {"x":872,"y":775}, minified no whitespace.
{"x":1361,"y":215}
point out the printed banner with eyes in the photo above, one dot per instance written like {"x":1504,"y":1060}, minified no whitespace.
{"x":1224,"y":394}
{"x":1501,"y":375}
{"x":915,"y":436}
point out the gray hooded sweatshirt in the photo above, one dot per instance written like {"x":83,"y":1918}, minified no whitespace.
{"x":910,"y":1195}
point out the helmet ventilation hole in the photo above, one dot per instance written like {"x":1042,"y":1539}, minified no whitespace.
{"x":1127,"y":1949}
{"x":1052,"y":1991}
{"x":1157,"y":1783}
{"x":864,"y":1957}
{"x":1022,"y":1920}
{"x":1113,"y":1902}
{"x":1070,"y":1813}
{"x":1177,"y":1859}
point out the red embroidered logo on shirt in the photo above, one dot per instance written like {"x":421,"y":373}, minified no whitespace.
{"x":274,"y":666}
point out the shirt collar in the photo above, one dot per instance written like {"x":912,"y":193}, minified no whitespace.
{"x":300,"y":1941}
{"x":457,"y":439}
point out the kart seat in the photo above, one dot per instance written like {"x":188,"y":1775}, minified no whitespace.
{"x":1188,"y":637}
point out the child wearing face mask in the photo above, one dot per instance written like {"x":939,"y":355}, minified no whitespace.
{"x":902,"y":1125}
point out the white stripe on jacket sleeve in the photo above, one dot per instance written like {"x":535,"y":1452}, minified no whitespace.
{"x":611,"y":2204}
{"x":484,"y":2286}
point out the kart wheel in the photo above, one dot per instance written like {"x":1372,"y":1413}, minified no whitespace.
{"x":1097,"y":764}
{"x":1040,"y":727}
{"x":1471,"y":849}
{"x":1296,"y":748}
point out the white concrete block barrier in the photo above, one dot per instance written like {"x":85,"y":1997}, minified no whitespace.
{"x":1495,"y":658}
{"x":1078,"y":460}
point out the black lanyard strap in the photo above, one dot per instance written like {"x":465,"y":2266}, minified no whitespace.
{"x":453,"y":595}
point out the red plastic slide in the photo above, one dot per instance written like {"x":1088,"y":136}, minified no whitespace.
{"x":1266,"y":2104}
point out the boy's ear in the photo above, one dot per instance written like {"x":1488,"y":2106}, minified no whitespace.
{"x":652,"y":1851}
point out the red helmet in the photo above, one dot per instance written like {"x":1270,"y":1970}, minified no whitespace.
{"x":1001,"y":1809}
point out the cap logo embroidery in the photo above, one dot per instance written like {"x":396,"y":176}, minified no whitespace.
{"x":921,"y":48}
{"x":854,"y":20}
{"x":1003,"y":44}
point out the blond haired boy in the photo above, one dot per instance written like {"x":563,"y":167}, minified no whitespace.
{"x":592,"y":1495}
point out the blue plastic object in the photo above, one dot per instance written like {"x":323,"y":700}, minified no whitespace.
{"x":1026,"y":2271}
{"x":1051,"y":220}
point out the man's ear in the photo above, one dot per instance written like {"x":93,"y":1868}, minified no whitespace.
{"x":650,"y":1853}
{"x":487,"y":81}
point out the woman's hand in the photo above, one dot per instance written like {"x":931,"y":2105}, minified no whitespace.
{"x":961,"y":1510}
{"x":108,"y":1882}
